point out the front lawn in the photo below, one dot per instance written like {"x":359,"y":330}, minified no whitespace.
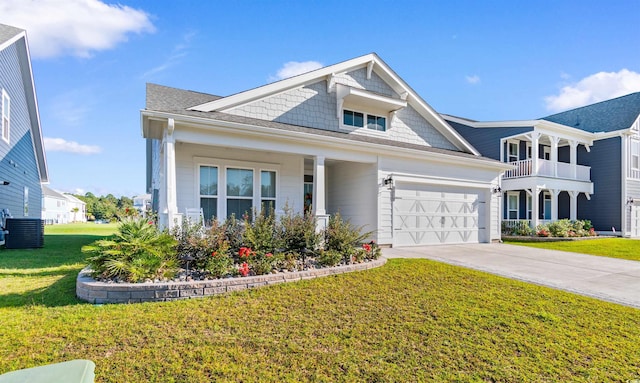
{"x":410,"y":320}
{"x":624,"y":248}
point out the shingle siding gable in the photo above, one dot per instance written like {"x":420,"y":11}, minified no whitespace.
{"x":17,"y":158}
{"x":312,"y":106}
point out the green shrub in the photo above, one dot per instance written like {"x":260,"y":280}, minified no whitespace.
{"x":566,"y":228}
{"x":299,"y":232}
{"x":328,"y":258}
{"x":261,"y":235}
{"x":138,"y":251}
{"x":208,"y":247}
{"x":343,"y":237}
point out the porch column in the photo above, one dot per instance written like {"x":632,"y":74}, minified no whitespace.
{"x":535,"y":136}
{"x":170,"y":209}
{"x":573,"y":158}
{"x":554,"y":204}
{"x":573,"y":213}
{"x":319,"y":209}
{"x":535,"y":206}
{"x":554,"y":154}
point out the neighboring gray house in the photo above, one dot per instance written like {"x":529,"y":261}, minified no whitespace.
{"x":579,"y":164}
{"x":352,"y":138}
{"x":23,"y":166}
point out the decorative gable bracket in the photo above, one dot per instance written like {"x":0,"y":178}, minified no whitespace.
{"x":360,"y":99}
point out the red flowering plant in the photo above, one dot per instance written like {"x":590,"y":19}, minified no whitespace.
{"x":371,"y":250}
{"x":244,"y":269}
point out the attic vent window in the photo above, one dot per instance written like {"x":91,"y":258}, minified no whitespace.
{"x":5,"y":115}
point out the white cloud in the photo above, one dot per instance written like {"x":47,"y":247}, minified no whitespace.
{"x":76,"y":27}
{"x":594,"y":88}
{"x":294,"y":68}
{"x":62,"y":145}
{"x":475,"y":79}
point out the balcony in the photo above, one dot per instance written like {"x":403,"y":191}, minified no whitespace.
{"x":546,"y":168}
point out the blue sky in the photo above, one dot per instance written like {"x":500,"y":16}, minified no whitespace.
{"x":484,"y":60}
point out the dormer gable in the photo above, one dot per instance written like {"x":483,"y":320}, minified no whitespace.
{"x":359,"y":96}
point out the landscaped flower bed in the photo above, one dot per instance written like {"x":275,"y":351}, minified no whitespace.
{"x":563,"y":228}
{"x":233,"y":250}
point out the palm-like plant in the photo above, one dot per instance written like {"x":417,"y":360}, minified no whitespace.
{"x":138,"y":251}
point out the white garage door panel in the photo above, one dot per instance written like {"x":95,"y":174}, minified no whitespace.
{"x":438,"y":216}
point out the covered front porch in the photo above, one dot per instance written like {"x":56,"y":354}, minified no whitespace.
{"x":228,"y":177}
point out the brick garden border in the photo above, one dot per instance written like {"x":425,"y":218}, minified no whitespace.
{"x":92,"y":291}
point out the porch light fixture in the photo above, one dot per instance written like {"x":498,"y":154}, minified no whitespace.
{"x":497,"y":190}
{"x":629,"y":201}
{"x":388,"y":182}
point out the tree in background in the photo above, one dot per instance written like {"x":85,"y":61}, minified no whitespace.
{"x":107,"y":207}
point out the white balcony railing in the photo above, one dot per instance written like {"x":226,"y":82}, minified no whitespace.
{"x":546,"y":168}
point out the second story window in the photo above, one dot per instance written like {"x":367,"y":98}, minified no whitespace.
{"x":512,"y":151}
{"x":357,"y":119}
{"x":6,"y":104}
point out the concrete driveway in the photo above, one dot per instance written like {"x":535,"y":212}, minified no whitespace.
{"x":609,"y":279}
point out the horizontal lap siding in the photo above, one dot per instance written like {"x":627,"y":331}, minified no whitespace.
{"x":352,"y":191}
{"x":17,"y":158}
{"x":604,"y":208}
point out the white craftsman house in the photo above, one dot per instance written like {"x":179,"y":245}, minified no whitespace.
{"x":352,"y":138}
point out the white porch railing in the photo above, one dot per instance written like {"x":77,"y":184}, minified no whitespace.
{"x":511,"y":223}
{"x":546,"y":168}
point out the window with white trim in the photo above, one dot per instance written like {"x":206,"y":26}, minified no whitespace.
{"x":229,"y":187}
{"x":6,"y":111}
{"x":529,"y":206}
{"x":357,"y":120}
{"x":239,"y":192}
{"x":513,"y":149}
{"x":268,"y":191}
{"x":209,"y":192}
{"x":635,"y":158}
{"x":513,"y":204}
{"x":26,"y":201}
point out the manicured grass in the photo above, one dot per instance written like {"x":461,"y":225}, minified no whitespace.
{"x":624,"y":248}
{"x":411,"y":320}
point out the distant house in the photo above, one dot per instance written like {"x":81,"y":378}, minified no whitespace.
{"x":142,"y":203}
{"x":77,"y":208}
{"x":23,"y":166}
{"x":579,"y":164}
{"x":55,"y":206}
{"x":352,"y":138}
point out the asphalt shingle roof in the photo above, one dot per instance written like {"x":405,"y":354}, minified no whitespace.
{"x":606,"y":116}
{"x":172,"y":100}
{"x":7,"y":32}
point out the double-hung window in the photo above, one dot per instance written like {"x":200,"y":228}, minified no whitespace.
{"x":239,"y":192}
{"x":513,"y":200}
{"x":209,"y":191}
{"x":635,"y":158}
{"x":512,"y":152}
{"x":6,"y":109}
{"x":268,"y":191}
{"x":357,"y":120}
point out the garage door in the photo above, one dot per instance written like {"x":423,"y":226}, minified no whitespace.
{"x":428,"y":215}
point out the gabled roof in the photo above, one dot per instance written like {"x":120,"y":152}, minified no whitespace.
{"x":74,"y":199}
{"x":8,"y":36}
{"x":606,"y":116}
{"x":167,"y":99}
{"x":48,"y":192}
{"x":370,"y":61}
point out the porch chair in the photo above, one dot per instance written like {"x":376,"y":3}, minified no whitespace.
{"x":194,"y":215}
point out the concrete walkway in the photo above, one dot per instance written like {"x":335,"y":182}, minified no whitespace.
{"x":609,"y":279}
